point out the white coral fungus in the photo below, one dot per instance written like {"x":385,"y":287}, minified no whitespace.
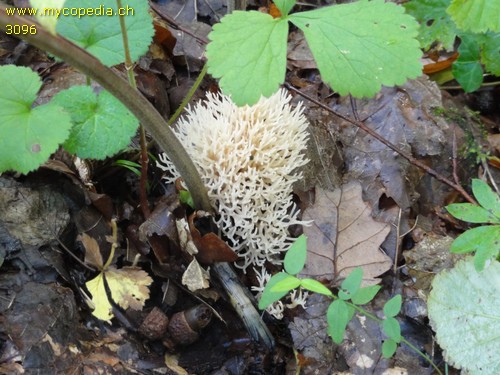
{"x":248,"y":157}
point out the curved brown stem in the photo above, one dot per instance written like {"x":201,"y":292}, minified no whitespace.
{"x":135,"y":102}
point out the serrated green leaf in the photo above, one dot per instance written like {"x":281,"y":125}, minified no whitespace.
{"x":490,"y":53}
{"x":315,"y":286}
{"x":389,"y":348}
{"x":248,"y":53}
{"x":286,"y":284}
{"x":268,"y":297}
{"x":352,"y":282}
{"x":285,"y":6}
{"x":471,"y":213}
{"x":464,"y":310}
{"x":337,"y":317}
{"x":295,"y":257}
{"x":28,"y":136}
{"x":485,"y":240}
{"x":101,"y":35}
{"x":392,"y":329}
{"x":393,"y":306}
{"x":486,"y":196}
{"x":476,"y":15}
{"x":466,"y":69}
{"x":435,"y":24}
{"x":365,"y":295}
{"x":102,"y":126}
{"x":360,"y":46}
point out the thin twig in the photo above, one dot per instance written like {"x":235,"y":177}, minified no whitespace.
{"x":393,"y":147}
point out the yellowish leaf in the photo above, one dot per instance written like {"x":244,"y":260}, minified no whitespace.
{"x":48,"y":19}
{"x":129,"y":288}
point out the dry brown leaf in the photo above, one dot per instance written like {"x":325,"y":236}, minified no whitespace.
{"x":195,"y":277}
{"x":344,"y":236}
{"x":93,"y":254}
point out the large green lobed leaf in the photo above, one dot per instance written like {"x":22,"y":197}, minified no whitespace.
{"x":476,"y":15}
{"x":435,"y":24}
{"x":464,"y":310}
{"x":102,"y":126}
{"x":28,"y":136}
{"x":360,"y":46}
{"x":248,"y":54}
{"x":101,"y":35}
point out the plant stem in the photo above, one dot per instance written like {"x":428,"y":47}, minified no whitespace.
{"x":143,"y":110}
{"x":129,"y":67}
{"x":189,"y":95}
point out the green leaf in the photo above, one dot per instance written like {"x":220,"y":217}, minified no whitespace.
{"x":485,"y":240}
{"x":268,"y":297}
{"x":389,"y":348}
{"x":351,"y":284}
{"x":435,"y":24}
{"x":360,"y":46}
{"x":102,"y":125}
{"x":392,"y":329}
{"x":286,"y":284}
{"x":464,"y":310}
{"x":285,"y":6}
{"x":471,"y":213}
{"x":476,"y":15}
{"x":486,"y":196}
{"x":337,"y":317}
{"x":490,"y":53}
{"x":365,"y":295}
{"x":393,"y":306}
{"x":47,"y":20}
{"x":28,"y":136}
{"x":186,"y":198}
{"x":295,"y":257}
{"x":248,"y":53}
{"x":466,"y":69}
{"x":315,"y":286}
{"x":101,"y":35}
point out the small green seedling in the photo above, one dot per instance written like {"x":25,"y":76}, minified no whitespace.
{"x":350,"y":296}
{"x":484,"y":240}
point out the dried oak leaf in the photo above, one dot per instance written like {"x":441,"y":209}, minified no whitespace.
{"x":344,"y":236}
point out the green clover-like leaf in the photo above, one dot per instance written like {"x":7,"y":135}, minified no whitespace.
{"x":486,"y":196}
{"x":393,"y":306}
{"x":360,"y":46}
{"x":365,"y":295}
{"x":268,"y":296}
{"x":472,"y":213}
{"x":389,"y":348}
{"x":337,"y":316}
{"x":315,"y":286}
{"x":295,"y":257}
{"x":351,"y":284}
{"x":287,"y":284}
{"x":285,"y":6}
{"x":248,"y":53}
{"x":392,"y":329}
{"x":102,"y":126}
{"x":484,"y":240}
{"x":28,"y":136}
